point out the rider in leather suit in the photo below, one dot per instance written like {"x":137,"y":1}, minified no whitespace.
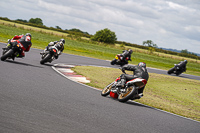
{"x":24,"y":41}
{"x":58,"y":44}
{"x":139,"y":71}
{"x":127,"y":54}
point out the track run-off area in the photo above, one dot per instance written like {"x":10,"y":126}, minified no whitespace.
{"x":34,"y":98}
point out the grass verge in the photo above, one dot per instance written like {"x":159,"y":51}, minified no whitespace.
{"x":173,"y":94}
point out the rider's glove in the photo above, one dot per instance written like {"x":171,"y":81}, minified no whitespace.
{"x":122,"y":69}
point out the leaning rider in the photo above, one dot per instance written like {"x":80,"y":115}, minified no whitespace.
{"x":182,"y":65}
{"x":58,"y":44}
{"x":23,"y":40}
{"x":139,"y":71}
{"x":127,"y":54}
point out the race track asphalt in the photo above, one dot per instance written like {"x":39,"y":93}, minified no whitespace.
{"x":36,"y":99}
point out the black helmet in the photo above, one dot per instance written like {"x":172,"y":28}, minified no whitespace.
{"x":28,"y":34}
{"x":142,"y":64}
{"x":62,"y":40}
{"x":185,"y":61}
{"x":130,"y":51}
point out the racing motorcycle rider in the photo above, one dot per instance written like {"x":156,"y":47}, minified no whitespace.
{"x":127,"y":54}
{"x":182,"y":65}
{"x":58,"y":44}
{"x":23,"y":40}
{"x":139,"y":71}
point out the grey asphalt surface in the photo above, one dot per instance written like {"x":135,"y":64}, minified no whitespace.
{"x":36,"y":99}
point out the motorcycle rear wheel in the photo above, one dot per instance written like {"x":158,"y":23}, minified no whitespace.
{"x":7,"y":54}
{"x":130,"y":92}
{"x":106,"y":90}
{"x":45,"y":59}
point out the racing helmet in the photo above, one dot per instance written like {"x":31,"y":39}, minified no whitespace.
{"x":142,"y":64}
{"x":185,"y":61}
{"x":28,"y":34}
{"x":130,"y":51}
{"x":63,"y":41}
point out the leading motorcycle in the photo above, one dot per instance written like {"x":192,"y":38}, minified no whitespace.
{"x":49,"y":55}
{"x":123,"y":94}
{"x":119,"y":60}
{"x":13,"y":49}
{"x":177,"y":69}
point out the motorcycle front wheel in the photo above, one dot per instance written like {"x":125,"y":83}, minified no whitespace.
{"x":106,"y":90}
{"x":45,"y":59}
{"x":130,"y":92}
{"x":7,"y":54}
{"x":113,"y":62}
{"x":171,"y":70}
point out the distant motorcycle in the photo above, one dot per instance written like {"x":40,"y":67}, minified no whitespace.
{"x":12,"y":51}
{"x":119,"y":60}
{"x":125,"y":93}
{"x":49,"y":55}
{"x":177,"y":69}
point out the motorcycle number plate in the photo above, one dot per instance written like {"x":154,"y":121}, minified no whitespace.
{"x":116,"y":57}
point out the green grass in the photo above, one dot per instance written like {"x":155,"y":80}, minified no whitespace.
{"x":100,"y":51}
{"x":173,"y":94}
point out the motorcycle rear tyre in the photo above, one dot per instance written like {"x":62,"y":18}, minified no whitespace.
{"x":106,"y":90}
{"x":171,"y":70}
{"x":123,"y":97}
{"x":45,"y":59}
{"x":7,"y":54}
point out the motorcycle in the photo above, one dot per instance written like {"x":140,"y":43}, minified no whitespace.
{"x":126,"y":93}
{"x":13,"y":49}
{"x":49,"y":55}
{"x":119,"y":60}
{"x":177,"y":69}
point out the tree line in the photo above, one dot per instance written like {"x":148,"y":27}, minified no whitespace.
{"x":104,"y":36}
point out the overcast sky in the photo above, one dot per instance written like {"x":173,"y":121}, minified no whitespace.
{"x":168,"y":23}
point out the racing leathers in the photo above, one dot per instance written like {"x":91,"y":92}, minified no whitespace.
{"x":126,"y":55}
{"x":138,"y":72}
{"x":58,"y":44}
{"x":23,"y":40}
{"x":182,"y":65}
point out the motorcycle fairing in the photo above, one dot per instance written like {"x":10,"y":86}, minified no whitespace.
{"x":139,"y":82}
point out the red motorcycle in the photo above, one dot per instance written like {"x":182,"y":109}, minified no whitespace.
{"x":119,"y":60}
{"x":13,"y":49}
{"x":123,"y":94}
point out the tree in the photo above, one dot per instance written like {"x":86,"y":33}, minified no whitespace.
{"x":105,"y":35}
{"x":184,"y":51}
{"x":22,"y":20}
{"x":149,"y":43}
{"x":77,"y":30}
{"x":37,"y":21}
{"x":57,"y":27}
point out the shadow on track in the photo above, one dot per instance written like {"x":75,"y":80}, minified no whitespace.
{"x":138,"y":104}
{"x":131,"y":103}
{"x":47,"y":65}
{"x":20,"y":63}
